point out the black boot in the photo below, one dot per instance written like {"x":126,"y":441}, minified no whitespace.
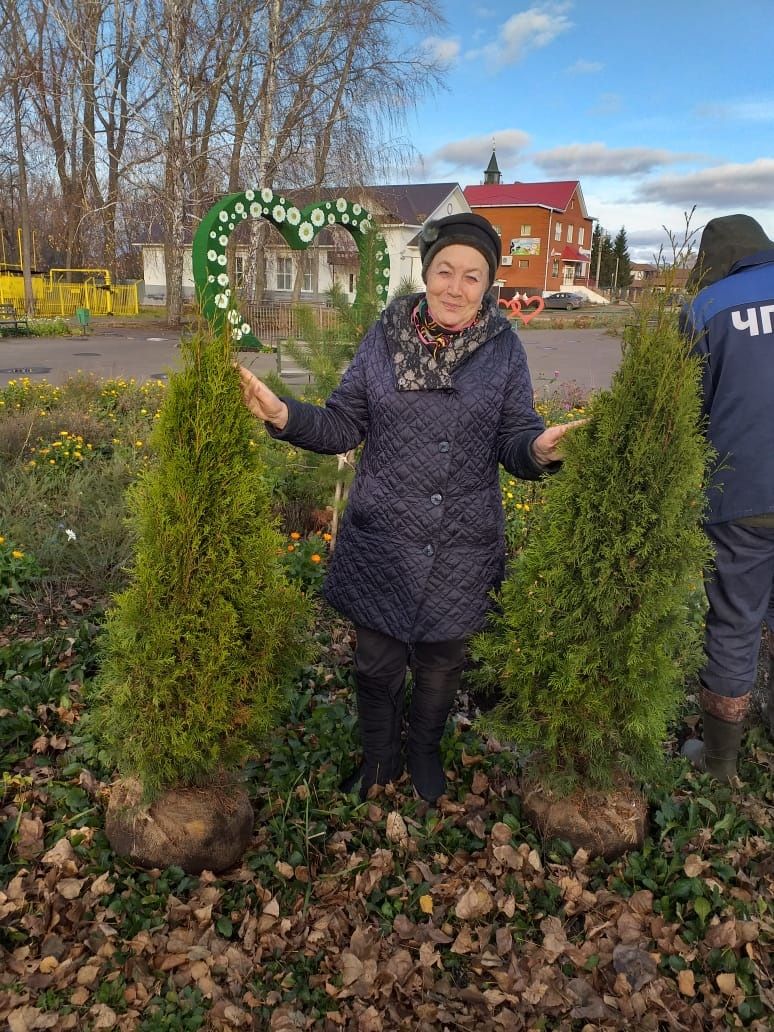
{"x":431,"y":701}
{"x":724,"y":724}
{"x":380,"y":716}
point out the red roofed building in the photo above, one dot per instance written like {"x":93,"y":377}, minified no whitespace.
{"x":545,"y":230}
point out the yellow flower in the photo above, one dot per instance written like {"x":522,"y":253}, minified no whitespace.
{"x":315,"y":558}
{"x":17,"y":554}
{"x":2,"y":540}
{"x":138,"y":444}
{"x":327,"y":537}
{"x":295,"y":536}
{"x":291,"y":548}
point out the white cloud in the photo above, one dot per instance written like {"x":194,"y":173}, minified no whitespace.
{"x":528,"y":30}
{"x":444,"y":51}
{"x":469,"y":157}
{"x":582,"y":67}
{"x":607,"y":104}
{"x":731,"y":185}
{"x":755,"y":110}
{"x":597,"y":159}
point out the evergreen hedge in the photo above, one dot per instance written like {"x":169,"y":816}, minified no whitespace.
{"x":196,"y":650}
{"x":595,"y":639}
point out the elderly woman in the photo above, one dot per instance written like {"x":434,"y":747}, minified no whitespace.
{"x":439,"y":393}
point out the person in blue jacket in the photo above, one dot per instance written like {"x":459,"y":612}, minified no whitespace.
{"x":439,"y":394}
{"x":731,"y":321}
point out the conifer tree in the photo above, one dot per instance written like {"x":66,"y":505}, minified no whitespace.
{"x":593,"y":642}
{"x":196,"y":649}
{"x":624,"y":262}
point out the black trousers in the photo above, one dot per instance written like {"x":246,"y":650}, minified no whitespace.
{"x":739,"y":590}
{"x":383,"y":659}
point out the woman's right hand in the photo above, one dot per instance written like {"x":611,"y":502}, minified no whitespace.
{"x":262,"y":402}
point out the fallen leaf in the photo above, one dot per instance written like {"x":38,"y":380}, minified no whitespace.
{"x":637,"y":966}
{"x":694,"y":865}
{"x":70,"y":888}
{"x":104,"y":1016}
{"x":396,"y":828}
{"x":351,"y":968}
{"x":283,"y":869}
{"x":500,"y":833}
{"x":88,"y":975}
{"x":726,"y":983}
{"x":60,"y":854}
{"x":426,"y":904}
{"x":29,"y":837}
{"x":686,"y":982}
{"x":475,"y":902}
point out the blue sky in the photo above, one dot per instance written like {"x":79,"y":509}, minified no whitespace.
{"x":654,"y":107}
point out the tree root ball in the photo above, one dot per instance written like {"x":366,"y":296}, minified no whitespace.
{"x":603,"y":823}
{"x":194,"y":828}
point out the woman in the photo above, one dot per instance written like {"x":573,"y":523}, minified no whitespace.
{"x":440,"y":393}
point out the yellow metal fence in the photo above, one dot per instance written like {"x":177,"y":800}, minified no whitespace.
{"x":62,"y":299}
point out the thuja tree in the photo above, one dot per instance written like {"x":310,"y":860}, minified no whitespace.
{"x":594,"y":641}
{"x":196,"y":650}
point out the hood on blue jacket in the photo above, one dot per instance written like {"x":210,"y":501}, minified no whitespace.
{"x":724,"y":242}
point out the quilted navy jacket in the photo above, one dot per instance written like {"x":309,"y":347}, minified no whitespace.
{"x":421,"y":543}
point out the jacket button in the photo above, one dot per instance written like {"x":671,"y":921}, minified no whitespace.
{"x":428,"y":550}
{"x":444,"y":446}
{"x":436,"y":499}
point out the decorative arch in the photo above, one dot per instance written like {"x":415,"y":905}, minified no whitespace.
{"x":298,"y":226}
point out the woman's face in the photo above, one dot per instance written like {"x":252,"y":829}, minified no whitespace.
{"x":457,"y":279}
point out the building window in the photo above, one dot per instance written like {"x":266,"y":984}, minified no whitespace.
{"x":526,"y":229}
{"x":497,"y":229}
{"x":555,"y":267}
{"x":307,"y":287}
{"x":523,"y":263}
{"x":239,"y":270}
{"x":352,"y":283}
{"x":558,"y":231}
{"x":581,"y":236}
{"x":284,"y":274}
{"x":569,"y":234}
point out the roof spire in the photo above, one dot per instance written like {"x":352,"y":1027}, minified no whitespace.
{"x":492,"y":174}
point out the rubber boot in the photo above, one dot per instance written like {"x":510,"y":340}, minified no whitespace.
{"x":724,"y":724}
{"x":432,"y":698}
{"x":380,"y":716}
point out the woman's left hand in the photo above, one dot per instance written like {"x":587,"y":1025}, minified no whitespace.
{"x":547,"y":447}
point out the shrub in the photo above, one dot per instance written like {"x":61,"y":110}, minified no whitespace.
{"x":197,"y":649}
{"x":594,"y":640}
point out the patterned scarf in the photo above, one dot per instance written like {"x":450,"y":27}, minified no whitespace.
{"x":423,"y":366}
{"x":431,"y":333}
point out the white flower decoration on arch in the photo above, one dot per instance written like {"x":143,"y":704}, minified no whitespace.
{"x":299,"y":227}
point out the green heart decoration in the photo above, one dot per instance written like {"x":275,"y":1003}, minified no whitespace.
{"x":298,"y":227}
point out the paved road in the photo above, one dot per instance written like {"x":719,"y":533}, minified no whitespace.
{"x":147,"y":351}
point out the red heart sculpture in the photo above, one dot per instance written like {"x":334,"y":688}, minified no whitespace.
{"x":514,"y":306}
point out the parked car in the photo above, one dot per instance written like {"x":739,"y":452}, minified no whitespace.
{"x":564,"y":299}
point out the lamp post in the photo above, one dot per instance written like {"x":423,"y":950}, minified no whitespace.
{"x":599,"y":252}
{"x":615,"y":276}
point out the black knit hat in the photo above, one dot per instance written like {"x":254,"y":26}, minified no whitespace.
{"x":463,"y":228}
